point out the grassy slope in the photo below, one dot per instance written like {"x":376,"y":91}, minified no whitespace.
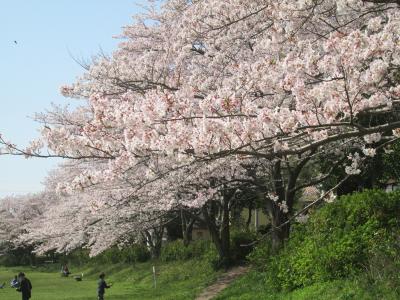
{"x":178,"y":280}
{"x":252,"y":286}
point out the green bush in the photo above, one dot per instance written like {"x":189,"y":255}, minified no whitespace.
{"x":77,"y":257}
{"x":201,"y":249}
{"x":21,"y":256}
{"x":338,"y":241}
{"x":137,"y":253}
{"x":241,"y":244}
{"x":260,"y":255}
{"x":212,"y":258}
{"x":9,"y":260}
{"x":240,"y":247}
{"x":128,"y":255}
{"x":132,"y":254}
{"x":176,"y":250}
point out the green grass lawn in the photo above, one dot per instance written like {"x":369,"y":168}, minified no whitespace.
{"x":252,"y":286}
{"x":177,"y":280}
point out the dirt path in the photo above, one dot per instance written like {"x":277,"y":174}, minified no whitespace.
{"x":222,"y":282}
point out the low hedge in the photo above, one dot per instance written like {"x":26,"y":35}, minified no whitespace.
{"x":340,"y":240}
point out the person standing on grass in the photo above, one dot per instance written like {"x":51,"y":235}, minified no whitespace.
{"x":25,"y":286}
{"x":102,"y":287}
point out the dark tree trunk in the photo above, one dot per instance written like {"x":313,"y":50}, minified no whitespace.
{"x":285,"y":192}
{"x":249,"y":217}
{"x":279,"y":233}
{"x":280,"y":230}
{"x":209,"y":219}
{"x":154,"y":241}
{"x":225,"y":230}
{"x":220,"y":235}
{"x":187,"y":234}
{"x":187,"y":227}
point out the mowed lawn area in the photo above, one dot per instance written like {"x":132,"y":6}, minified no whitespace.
{"x":178,"y":280}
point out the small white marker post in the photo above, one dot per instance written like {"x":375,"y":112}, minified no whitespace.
{"x":154,"y":277}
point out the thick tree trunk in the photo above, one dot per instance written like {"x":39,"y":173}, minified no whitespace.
{"x":285,"y":191}
{"x":225,"y":231}
{"x":220,"y":235}
{"x":280,"y":232}
{"x":216,"y":239}
{"x":187,"y":228}
{"x":154,"y":241}
{"x":158,"y":244}
{"x":249,"y":217}
{"x":187,"y":235}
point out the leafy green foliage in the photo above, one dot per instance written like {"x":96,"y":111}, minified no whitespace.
{"x":338,"y":241}
{"x":241,"y":244}
{"x":18,"y":257}
{"x":176,"y":250}
{"x":391,"y":163}
{"x":252,"y":286}
{"x":240,"y":248}
{"x":201,"y":249}
{"x":127,"y":255}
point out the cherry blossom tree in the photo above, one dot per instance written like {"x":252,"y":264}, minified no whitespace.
{"x":16,"y":212}
{"x":89,"y":218}
{"x":201,"y":82}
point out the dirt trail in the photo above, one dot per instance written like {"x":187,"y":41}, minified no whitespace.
{"x":222,"y":282}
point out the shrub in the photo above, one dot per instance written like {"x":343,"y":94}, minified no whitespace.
{"x":205,"y":250}
{"x":338,"y":241}
{"x":136,"y":253}
{"x":241,"y":244}
{"x":176,"y":250}
{"x":260,"y":255}
{"x":77,"y":257}
{"x":131,"y":254}
{"x":212,"y":258}
{"x":21,"y":256}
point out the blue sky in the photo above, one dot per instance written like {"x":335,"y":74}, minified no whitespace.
{"x":47,"y":33}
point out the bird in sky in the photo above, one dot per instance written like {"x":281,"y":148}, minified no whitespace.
{"x":15,"y":42}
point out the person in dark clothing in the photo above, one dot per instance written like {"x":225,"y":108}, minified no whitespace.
{"x":102,"y":286}
{"x":66,"y":271}
{"x":25,"y":286}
